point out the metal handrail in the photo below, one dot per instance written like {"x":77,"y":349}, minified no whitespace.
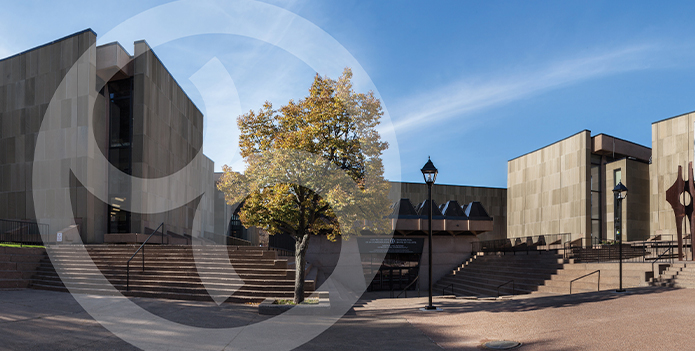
{"x":449,"y":286}
{"x":586,"y":275}
{"x":405,"y":290}
{"x":142,"y":247}
{"x":657,"y":259}
{"x":513,"y":288}
{"x":23,"y":232}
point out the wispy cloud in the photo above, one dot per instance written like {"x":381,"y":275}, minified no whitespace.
{"x":475,"y":93}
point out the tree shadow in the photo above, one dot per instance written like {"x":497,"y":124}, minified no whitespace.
{"x":522,"y":303}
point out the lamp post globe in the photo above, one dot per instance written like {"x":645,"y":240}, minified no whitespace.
{"x":429,"y":172}
{"x":620,"y":193}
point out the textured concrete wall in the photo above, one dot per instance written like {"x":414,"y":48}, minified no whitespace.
{"x":494,"y":200}
{"x":548,"y":190}
{"x":167,"y":135}
{"x":28,"y":82}
{"x":672,"y":145}
{"x":635,"y":208}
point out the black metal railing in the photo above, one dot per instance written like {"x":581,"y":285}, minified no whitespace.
{"x":234,"y":241}
{"x":226,"y":239}
{"x":669,"y":257}
{"x":142,"y":247}
{"x":282,"y":241}
{"x":161,"y":237}
{"x":501,"y":285}
{"x":22,"y":232}
{"x":594,"y":250}
{"x":449,"y":286}
{"x":282,"y":252}
{"x":393,"y":278}
{"x":586,"y":275}
{"x":527,"y":244}
{"x":405,"y":290}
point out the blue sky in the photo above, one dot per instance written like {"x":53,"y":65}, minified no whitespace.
{"x":471,"y":84}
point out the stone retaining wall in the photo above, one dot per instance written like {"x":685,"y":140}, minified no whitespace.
{"x":18,"y":265}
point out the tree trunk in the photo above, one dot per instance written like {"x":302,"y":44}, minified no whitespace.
{"x":300,"y":264}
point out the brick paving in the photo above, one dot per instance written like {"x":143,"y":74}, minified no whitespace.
{"x":641,"y":319}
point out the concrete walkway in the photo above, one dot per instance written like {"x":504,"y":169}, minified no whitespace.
{"x":642,"y":319}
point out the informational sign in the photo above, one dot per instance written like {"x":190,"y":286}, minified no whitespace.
{"x":390,"y":245}
{"x":59,"y":237}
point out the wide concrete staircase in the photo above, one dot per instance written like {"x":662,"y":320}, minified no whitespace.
{"x":483,"y":274}
{"x":171,"y":272}
{"x":634,"y":275}
{"x":677,"y":275}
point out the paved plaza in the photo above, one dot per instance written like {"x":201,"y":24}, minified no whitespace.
{"x":641,"y":319}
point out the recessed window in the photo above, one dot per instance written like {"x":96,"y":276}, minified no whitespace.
{"x":618,"y":176}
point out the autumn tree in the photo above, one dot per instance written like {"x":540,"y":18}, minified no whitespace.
{"x":313,"y":168}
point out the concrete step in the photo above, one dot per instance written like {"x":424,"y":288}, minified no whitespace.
{"x":171,"y":272}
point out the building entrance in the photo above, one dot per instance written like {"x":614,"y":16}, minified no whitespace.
{"x":397,"y":268}
{"x":395,"y":272}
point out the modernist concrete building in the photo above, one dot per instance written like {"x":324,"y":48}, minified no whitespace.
{"x":672,"y":146}
{"x":494,"y":201}
{"x":143,"y":123}
{"x":566,"y":188}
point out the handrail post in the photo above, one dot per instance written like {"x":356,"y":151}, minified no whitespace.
{"x":142,"y":247}
{"x":586,"y":275}
{"x":513,"y":289}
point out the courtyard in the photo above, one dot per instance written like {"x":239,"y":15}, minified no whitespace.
{"x":640,"y":319}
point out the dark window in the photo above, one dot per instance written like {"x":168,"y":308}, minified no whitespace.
{"x":120,"y":151}
{"x":596,"y":198}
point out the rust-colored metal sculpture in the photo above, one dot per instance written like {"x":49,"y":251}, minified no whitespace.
{"x":673,"y":196}
{"x":689,"y":208}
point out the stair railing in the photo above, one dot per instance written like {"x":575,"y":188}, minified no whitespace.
{"x":405,"y":290}
{"x":586,"y":275}
{"x":501,"y":285}
{"x":449,"y":286}
{"x":658,"y":258}
{"x":142,"y":247}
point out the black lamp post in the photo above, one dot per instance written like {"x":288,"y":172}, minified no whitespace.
{"x":620,"y":192}
{"x":430,"y":174}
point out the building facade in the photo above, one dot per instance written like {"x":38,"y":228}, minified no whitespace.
{"x":672,"y":146}
{"x":494,"y":200}
{"x":566,"y":188}
{"x":143,"y":124}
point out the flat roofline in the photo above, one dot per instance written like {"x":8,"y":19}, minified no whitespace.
{"x":666,"y":119}
{"x":553,"y":143}
{"x":627,"y":141}
{"x":468,"y":186}
{"x":116,"y":43}
{"x":168,"y":72}
{"x":50,"y":43}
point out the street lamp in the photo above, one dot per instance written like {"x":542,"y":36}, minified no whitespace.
{"x":429,"y":171}
{"x":620,"y":192}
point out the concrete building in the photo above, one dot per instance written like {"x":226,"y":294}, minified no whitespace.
{"x":143,"y":123}
{"x":566,"y":188}
{"x":672,"y":146}
{"x":494,"y":200}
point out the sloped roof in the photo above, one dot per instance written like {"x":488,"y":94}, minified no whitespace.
{"x":476,"y":211}
{"x":452,"y":209}
{"x":424,"y":207}
{"x":403,"y":209}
